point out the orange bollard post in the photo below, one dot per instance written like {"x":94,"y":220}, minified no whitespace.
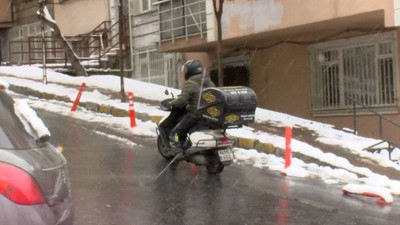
{"x":288,"y":149}
{"x":78,"y":97}
{"x":131,"y":110}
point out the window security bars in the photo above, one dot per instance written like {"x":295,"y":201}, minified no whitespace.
{"x":154,"y":67}
{"x":343,"y":71}
{"x":182,"y":18}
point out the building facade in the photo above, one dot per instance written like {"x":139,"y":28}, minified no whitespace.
{"x":91,"y":27}
{"x":74,"y":18}
{"x":313,"y":59}
{"x":6,"y":22}
{"x":149,"y":65}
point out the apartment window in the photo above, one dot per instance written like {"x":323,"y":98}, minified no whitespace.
{"x":181,"y":18}
{"x":149,"y":65}
{"x":361,"y":69}
{"x":155,"y":67}
{"x":145,"y":5}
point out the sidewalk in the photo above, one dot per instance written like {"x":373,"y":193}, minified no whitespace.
{"x":247,"y":143}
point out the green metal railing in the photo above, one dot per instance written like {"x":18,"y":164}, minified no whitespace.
{"x":381,"y":118}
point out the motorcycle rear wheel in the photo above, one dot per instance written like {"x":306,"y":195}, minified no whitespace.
{"x":163,"y":149}
{"x":215,"y":166}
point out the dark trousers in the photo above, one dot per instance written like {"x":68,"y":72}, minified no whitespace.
{"x":179,"y":132}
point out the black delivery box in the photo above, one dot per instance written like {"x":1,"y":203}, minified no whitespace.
{"x":228,"y":106}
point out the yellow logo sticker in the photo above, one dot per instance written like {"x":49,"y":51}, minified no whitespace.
{"x":231,"y":118}
{"x":209,"y":97}
{"x":213,"y":111}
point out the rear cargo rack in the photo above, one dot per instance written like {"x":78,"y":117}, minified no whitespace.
{"x":229,"y":107}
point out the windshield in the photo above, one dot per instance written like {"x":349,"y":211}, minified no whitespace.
{"x":12,"y":132}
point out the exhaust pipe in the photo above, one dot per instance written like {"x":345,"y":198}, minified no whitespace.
{"x":199,"y":160}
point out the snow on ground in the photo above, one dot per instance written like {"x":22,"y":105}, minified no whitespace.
{"x":343,"y":173}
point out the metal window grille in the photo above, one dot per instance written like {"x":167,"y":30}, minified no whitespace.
{"x":182,"y":18}
{"x":154,"y":67}
{"x":362,"y":71}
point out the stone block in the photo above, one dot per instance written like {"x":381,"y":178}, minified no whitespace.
{"x":119,"y":112}
{"x":265,"y":147}
{"x":247,"y":143}
{"x":48,"y":96}
{"x":142,"y":116}
{"x":92,"y":106}
{"x":105,"y":109}
{"x":62,"y":98}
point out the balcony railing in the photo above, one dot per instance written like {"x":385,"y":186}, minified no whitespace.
{"x":90,"y":48}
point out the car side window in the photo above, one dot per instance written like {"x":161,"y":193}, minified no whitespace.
{"x":13,"y":135}
{"x":4,"y":140}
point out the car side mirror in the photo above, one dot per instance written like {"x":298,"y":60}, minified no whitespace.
{"x":43,"y":138}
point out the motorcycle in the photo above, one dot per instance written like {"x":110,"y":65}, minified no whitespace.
{"x":206,"y":144}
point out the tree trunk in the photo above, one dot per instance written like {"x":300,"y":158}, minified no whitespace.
{"x":75,"y":62}
{"x":218,"y":14}
{"x":219,"y":55}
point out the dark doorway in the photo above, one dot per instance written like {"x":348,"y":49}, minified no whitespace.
{"x":1,"y":57}
{"x":233,"y":76}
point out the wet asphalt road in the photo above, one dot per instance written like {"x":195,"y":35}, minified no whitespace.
{"x":114,"y":183}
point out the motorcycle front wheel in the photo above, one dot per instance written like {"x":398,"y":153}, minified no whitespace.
{"x":163,"y":149}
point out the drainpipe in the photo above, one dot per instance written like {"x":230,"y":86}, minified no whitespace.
{"x":12,"y":10}
{"x":109,"y":10}
{"x":130,"y":37}
{"x":121,"y":49}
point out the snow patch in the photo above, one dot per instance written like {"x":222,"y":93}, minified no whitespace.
{"x":32,"y":123}
{"x":369,"y":191}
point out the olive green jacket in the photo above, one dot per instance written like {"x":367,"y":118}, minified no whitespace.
{"x":190,"y":94}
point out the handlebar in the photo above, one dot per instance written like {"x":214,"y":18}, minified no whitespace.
{"x":164,"y":104}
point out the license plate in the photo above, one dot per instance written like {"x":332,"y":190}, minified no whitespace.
{"x":226,"y":155}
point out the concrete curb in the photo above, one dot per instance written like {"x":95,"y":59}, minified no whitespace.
{"x":246,"y":143}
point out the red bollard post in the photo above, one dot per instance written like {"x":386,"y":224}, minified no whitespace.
{"x":131,"y":110}
{"x":288,"y":149}
{"x":78,"y":97}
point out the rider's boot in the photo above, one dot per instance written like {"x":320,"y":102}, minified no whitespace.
{"x":175,"y":148}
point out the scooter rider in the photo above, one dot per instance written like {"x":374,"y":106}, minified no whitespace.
{"x":189,"y":97}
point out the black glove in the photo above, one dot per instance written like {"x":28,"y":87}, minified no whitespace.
{"x":169,"y":106}
{"x":165,"y":105}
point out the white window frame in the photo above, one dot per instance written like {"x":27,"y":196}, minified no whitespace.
{"x":182,"y":18}
{"x":145,"y":7}
{"x":338,"y":75}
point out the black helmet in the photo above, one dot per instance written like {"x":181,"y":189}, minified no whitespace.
{"x":191,"y":68}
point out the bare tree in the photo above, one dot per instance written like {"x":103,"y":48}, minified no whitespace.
{"x":46,"y":18}
{"x":218,"y":10}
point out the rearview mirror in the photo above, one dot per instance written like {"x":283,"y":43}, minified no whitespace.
{"x":168,"y":91}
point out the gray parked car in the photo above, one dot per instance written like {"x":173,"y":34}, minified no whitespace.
{"x":34,"y":181}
